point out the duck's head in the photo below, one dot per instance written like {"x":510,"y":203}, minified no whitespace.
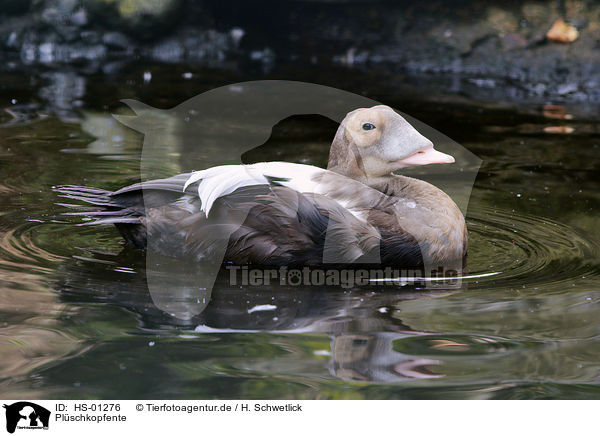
{"x":374,"y":142}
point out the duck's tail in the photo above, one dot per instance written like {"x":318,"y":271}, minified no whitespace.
{"x":100,"y":207}
{"x":93,"y":196}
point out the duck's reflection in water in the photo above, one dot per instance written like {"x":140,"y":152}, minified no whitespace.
{"x":371,"y":357}
{"x":362,"y":323}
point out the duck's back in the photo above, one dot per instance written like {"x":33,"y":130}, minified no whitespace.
{"x":260,"y":216}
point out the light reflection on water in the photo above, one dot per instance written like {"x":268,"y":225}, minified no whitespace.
{"x":77,"y":320}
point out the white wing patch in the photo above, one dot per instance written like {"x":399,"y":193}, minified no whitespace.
{"x":223,"y":180}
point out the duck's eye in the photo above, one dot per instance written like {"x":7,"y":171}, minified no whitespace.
{"x":368,"y":126}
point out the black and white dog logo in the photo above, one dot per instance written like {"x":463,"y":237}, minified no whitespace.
{"x":26,"y":415}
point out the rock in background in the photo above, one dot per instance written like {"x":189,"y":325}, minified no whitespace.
{"x":492,"y":46}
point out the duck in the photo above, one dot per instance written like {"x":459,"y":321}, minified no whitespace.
{"x":356,"y":211}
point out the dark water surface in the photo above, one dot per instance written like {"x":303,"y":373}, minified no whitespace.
{"x":76,"y":320}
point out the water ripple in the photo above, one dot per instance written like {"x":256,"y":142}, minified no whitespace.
{"x":526,"y":249}
{"x":18,"y":249}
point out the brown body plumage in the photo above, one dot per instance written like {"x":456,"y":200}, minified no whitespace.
{"x":277,"y":213}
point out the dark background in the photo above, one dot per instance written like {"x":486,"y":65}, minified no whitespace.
{"x":490,"y":50}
